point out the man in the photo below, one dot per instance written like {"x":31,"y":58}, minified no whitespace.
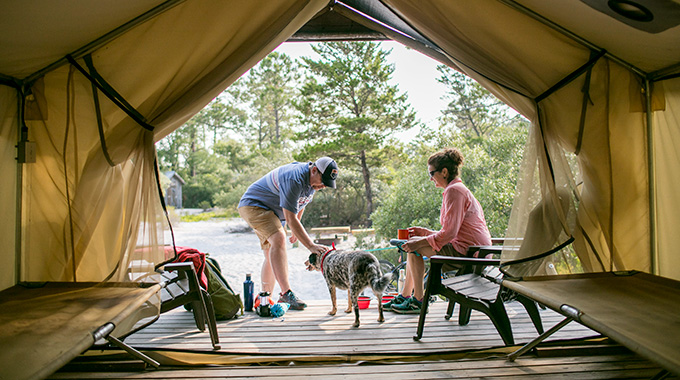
{"x":278,"y":198}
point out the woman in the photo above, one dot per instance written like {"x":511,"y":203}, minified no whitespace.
{"x":463,"y":225}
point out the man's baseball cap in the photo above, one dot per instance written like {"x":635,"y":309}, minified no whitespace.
{"x":328,"y":169}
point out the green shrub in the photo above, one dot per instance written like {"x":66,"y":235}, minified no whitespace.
{"x":217,"y":214}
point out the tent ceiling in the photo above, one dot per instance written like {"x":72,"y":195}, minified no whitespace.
{"x":631,"y":42}
{"x":79,"y":24}
{"x":36,"y":33}
{"x":649,"y":52}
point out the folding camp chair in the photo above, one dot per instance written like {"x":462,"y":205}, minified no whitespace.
{"x":45,"y":325}
{"x":181,"y":288}
{"x":476,"y":285}
{"x":638,"y":310}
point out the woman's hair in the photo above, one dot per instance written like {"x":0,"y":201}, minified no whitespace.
{"x":449,"y":158}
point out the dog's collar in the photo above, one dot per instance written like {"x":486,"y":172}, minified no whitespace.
{"x":324,"y":256}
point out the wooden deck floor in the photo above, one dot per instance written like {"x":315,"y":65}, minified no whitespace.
{"x":312,"y":344}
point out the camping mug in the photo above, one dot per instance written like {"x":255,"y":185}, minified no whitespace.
{"x":402,"y":234}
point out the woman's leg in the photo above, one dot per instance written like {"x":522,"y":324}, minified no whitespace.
{"x":416,"y":263}
{"x":408,"y":283}
{"x":416,"y":267}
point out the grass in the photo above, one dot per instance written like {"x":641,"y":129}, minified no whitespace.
{"x":216,"y":214}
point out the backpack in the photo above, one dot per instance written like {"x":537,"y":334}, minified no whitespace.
{"x":225,"y":302}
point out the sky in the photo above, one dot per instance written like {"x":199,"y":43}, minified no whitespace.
{"x":415,"y":74}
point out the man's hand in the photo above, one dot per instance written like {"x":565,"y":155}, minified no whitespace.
{"x":319,"y":249}
{"x":298,"y":232}
{"x":292,"y":239}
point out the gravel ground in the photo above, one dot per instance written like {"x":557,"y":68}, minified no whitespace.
{"x":233,"y":244}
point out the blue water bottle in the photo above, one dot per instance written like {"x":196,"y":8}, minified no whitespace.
{"x":248,"y":293}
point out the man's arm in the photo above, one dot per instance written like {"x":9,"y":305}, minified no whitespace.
{"x":294,"y":238}
{"x":299,"y":231}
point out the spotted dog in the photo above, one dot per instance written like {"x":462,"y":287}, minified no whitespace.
{"x":353,"y":271}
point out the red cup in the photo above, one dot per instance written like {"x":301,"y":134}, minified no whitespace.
{"x":402,"y":234}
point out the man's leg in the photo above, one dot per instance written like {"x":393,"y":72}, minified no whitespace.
{"x":278,"y":260}
{"x":268,"y":278}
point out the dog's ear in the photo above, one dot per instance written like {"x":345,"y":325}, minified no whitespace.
{"x":312,"y":259}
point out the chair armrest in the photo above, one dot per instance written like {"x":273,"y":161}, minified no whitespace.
{"x":503,"y":240}
{"x":464,"y":261}
{"x":483,"y":250}
{"x":182,"y":266}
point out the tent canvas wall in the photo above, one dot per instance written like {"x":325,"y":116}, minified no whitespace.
{"x":82,"y":199}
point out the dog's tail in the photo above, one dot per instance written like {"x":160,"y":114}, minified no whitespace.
{"x":380,"y":284}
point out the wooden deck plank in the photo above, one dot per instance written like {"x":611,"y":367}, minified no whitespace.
{"x":300,"y":337}
{"x":311,"y":330}
{"x":591,"y":367}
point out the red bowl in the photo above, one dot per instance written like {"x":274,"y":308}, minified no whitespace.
{"x":364,"y":302}
{"x":387,"y":298}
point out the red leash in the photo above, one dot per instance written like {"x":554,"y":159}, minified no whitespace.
{"x":324,"y":256}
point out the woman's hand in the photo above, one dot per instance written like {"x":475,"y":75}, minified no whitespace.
{"x":292,"y":239}
{"x":418,"y":231}
{"x":413,"y":244}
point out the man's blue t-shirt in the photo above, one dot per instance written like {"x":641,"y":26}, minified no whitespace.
{"x":284,"y":187}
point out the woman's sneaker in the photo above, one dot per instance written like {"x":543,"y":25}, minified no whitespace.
{"x":290,"y":298}
{"x":411,"y":306}
{"x":399,"y":299}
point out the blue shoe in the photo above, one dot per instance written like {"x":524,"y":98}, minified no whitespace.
{"x":399,"y":299}
{"x":411,"y":306}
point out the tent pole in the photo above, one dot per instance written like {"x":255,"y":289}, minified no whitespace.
{"x":18,"y":225}
{"x":391,"y":33}
{"x":652,"y":178}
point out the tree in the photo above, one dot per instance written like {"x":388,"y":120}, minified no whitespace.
{"x":473,"y":110}
{"x":219,"y":116}
{"x":491,"y":138}
{"x":214,"y":162}
{"x":349,"y":110}
{"x":267,"y":92}
{"x":410,"y":201}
